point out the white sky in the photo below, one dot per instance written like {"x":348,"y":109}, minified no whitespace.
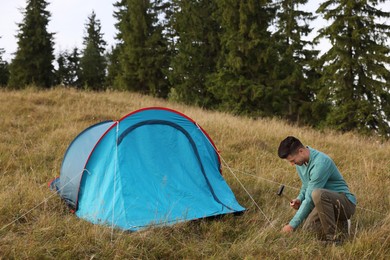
{"x":68,"y":19}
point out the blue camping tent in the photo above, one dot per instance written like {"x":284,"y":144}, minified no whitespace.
{"x":154,"y":166}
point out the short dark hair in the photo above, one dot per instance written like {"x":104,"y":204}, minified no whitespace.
{"x":289,"y":146}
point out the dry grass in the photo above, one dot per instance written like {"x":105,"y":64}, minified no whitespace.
{"x":37,"y":126}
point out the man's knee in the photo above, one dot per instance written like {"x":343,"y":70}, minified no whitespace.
{"x":317,"y":195}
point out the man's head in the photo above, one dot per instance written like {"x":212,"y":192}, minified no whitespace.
{"x":293,"y":151}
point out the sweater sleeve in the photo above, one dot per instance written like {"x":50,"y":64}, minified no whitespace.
{"x":302,"y":191}
{"x":319,"y":175}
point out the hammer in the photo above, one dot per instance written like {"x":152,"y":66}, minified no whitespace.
{"x":280,"y":193}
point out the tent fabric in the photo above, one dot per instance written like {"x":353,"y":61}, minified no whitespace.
{"x":154,"y":166}
{"x":74,"y":161}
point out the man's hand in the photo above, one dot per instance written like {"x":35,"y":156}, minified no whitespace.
{"x":295,"y":204}
{"x":287,"y":229}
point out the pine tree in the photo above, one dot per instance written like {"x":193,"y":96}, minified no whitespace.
{"x":143,"y":55}
{"x":62,"y":72}
{"x":196,"y":46}
{"x":34,"y":56}
{"x":355,"y":72}
{"x":4,"y":70}
{"x":68,"y":72}
{"x":113,"y":66}
{"x":242,"y":81}
{"x":93,"y":62}
{"x":74,"y":68}
{"x":294,"y":75}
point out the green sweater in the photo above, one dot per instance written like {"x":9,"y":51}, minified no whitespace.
{"x":320,"y":172}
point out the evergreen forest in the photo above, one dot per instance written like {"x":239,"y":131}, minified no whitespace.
{"x":244,"y":57}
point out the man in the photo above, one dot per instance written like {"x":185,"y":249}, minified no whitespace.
{"x":324,"y":199}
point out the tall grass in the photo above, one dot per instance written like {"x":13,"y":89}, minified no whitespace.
{"x":37,"y":126}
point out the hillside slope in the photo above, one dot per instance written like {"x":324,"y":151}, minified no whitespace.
{"x":37,"y":127}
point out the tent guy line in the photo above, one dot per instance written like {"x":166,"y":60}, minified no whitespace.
{"x":93,"y":145}
{"x":225,"y":164}
{"x":279,"y":183}
{"x":232,"y":170}
{"x":36,"y":206}
{"x":269,"y":180}
{"x":250,"y":196}
{"x":238,"y":180}
{"x":158,"y":168}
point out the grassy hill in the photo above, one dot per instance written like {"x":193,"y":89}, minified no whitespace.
{"x":37,"y":127}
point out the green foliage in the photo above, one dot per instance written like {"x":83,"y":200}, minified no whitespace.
{"x":93,"y":62}
{"x":34,"y":56}
{"x":295,"y":71}
{"x":245,"y":61}
{"x":195,"y":34}
{"x":355,"y":71}
{"x":68,"y":72}
{"x":247,"y":57}
{"x":37,"y":127}
{"x":143,"y":56}
{"x":4,"y":70}
{"x":113,"y":66}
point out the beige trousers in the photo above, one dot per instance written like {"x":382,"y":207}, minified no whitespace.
{"x":330,"y":214}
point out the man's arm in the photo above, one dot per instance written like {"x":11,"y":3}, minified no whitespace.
{"x":319,"y":175}
{"x":302,"y":191}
